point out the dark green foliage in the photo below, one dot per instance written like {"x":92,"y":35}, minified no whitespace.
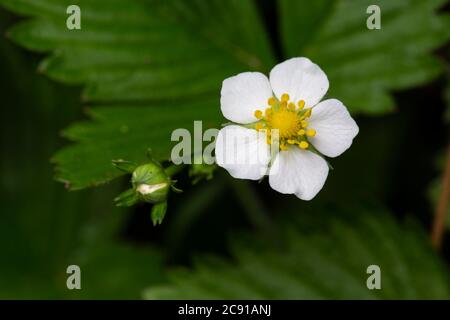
{"x":321,"y":258}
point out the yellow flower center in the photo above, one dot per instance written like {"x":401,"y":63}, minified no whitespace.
{"x":290,"y":121}
{"x":286,"y":121}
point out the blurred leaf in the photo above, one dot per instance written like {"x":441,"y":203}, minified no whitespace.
{"x":43,"y":228}
{"x":364,"y":65}
{"x":325,"y":263}
{"x":164,"y":60}
{"x":115,"y":271}
{"x":144,"y":50}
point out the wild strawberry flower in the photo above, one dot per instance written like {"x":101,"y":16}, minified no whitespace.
{"x":283,"y":113}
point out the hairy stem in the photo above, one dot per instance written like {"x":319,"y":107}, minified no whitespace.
{"x":441,"y":210}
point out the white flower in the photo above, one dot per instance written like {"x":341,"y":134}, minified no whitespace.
{"x":287,"y":105}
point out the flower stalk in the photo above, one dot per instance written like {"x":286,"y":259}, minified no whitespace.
{"x":438,"y":229}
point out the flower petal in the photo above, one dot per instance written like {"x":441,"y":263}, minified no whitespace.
{"x":243,"y":94}
{"x":298,"y":171}
{"x":301,"y":79}
{"x":243,"y":152}
{"x":335,"y":128}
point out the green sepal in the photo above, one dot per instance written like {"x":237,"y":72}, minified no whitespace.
{"x":158,"y":212}
{"x":175,"y":189}
{"x":126,"y":198}
{"x":329,"y":165}
{"x":123,"y":165}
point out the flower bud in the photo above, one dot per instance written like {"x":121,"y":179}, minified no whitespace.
{"x":151,"y":183}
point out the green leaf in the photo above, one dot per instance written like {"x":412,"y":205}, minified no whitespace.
{"x":125,"y":166}
{"x":364,"y":65}
{"x":144,"y":50}
{"x":123,"y":132}
{"x":326,"y":262}
{"x":163,"y":61}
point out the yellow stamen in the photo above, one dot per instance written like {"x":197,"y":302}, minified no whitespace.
{"x":307,"y":113}
{"x":285,"y":121}
{"x":289,"y":122}
{"x":284,"y":97}
{"x":272,"y":101}
{"x":258,"y":114}
{"x":303,"y":144}
{"x":311,"y":133}
{"x":301,"y":104}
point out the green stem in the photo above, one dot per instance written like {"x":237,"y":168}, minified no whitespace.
{"x":174,"y":169}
